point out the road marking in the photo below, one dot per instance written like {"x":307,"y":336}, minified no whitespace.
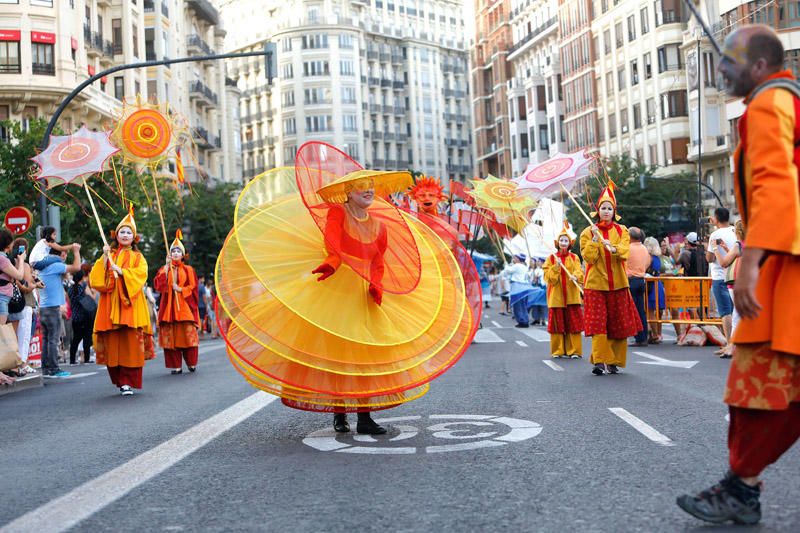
{"x":536,"y":334}
{"x":496,"y":324}
{"x":660,"y":361}
{"x":486,"y":336}
{"x":642,"y":427}
{"x":67,"y":511}
{"x":522,"y":343}
{"x":81,"y":375}
{"x":552,"y":364}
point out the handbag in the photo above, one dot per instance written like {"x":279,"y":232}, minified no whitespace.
{"x":88,"y":304}
{"x":9,"y":354}
{"x":17,"y":302}
{"x":733,"y":269}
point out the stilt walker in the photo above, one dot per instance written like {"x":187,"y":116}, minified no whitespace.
{"x":562,"y":270}
{"x":610,"y":315}
{"x":178,"y":315}
{"x":123,"y":337}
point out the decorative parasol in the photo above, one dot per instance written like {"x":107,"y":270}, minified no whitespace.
{"x":71,"y":159}
{"x":559,"y":172}
{"x":144,"y":132}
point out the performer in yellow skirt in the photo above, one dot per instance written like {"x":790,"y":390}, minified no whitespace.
{"x":562,"y":270}
{"x":338,"y":302}
{"x":123,"y":337}
{"x":610,"y":315}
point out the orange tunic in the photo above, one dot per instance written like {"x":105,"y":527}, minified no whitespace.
{"x":765,"y":371}
{"x":178,"y":317}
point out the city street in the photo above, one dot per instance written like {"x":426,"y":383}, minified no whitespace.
{"x":507,"y":440}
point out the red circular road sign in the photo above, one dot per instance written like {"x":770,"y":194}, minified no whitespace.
{"x":18,"y":220}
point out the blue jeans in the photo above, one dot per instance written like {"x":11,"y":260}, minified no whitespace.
{"x":637,"y":286}
{"x":51,"y":332}
{"x":723,"y":298}
{"x":4,"y":304}
{"x":46,"y":262}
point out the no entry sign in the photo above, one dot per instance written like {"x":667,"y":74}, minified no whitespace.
{"x":18,"y":220}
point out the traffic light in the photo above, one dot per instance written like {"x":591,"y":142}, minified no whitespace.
{"x":271,"y":61}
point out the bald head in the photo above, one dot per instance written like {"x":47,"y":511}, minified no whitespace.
{"x":750,"y":55}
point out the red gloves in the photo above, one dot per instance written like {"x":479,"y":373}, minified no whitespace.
{"x":325,"y":270}
{"x":376,"y":293}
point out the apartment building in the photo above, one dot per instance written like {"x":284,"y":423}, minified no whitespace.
{"x":491,"y":73}
{"x":49,"y":47}
{"x":385,"y":81}
{"x":535,"y":94}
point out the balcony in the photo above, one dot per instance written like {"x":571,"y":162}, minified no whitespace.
{"x":402,"y":137}
{"x":387,"y":136}
{"x":376,"y":135}
{"x":460,"y":143}
{"x":386,"y":83}
{"x":374,"y":108}
{"x":103,"y":3}
{"x":378,"y":163}
{"x":372,"y":54}
{"x":374,"y":81}
{"x":451,"y":93}
{"x":108,"y":52}
{"x":397,"y":59}
{"x":387,"y":109}
{"x":204,"y":11}
{"x":149,"y":6}
{"x":204,"y":96}
{"x":398,"y":85}
{"x":713,"y":147}
{"x":202,"y":137}
{"x":399,"y":111}
{"x":45,"y":69}
{"x":533,"y":34}
{"x":385,"y":57}
{"x":195,"y":45}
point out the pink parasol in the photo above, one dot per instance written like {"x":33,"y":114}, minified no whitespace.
{"x":73,"y":158}
{"x":561,"y":170}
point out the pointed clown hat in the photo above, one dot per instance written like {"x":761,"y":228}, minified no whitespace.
{"x":567,"y":232}
{"x":607,"y":195}
{"x":128,"y":220}
{"x":177,"y":242}
{"x":384,"y":182}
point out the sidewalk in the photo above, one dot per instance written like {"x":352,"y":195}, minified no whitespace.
{"x":28,"y":381}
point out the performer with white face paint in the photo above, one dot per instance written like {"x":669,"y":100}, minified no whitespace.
{"x":123,"y":337}
{"x":562,"y":272}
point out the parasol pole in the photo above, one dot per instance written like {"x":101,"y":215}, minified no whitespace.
{"x":574,"y":201}
{"x":99,"y":224}
{"x":170,"y":273}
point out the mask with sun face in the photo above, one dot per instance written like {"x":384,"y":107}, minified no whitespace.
{"x":427,"y":192}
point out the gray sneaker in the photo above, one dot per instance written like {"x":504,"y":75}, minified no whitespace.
{"x":729,"y":500}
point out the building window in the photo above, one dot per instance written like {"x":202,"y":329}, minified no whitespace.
{"x":618,"y":34}
{"x":150,"y":44}
{"x":648,"y":67}
{"x":316,"y":68}
{"x":651,"y":111}
{"x":346,"y":68}
{"x":631,"y":28}
{"x":350,"y":123}
{"x":119,"y":87}
{"x":543,"y":142}
{"x":637,"y":116}
{"x":286,"y":44}
{"x":135,"y":32}
{"x":349,"y":95}
{"x":645,"y":21}
{"x":289,"y":153}
{"x":351,"y":149}
{"x":288,"y":99}
{"x":635,"y":72}
{"x":319,"y":40}
{"x":607,"y":42}
{"x":116,"y":35}
{"x":609,"y":84}
{"x":317,"y":95}
{"x":289,"y":126}
{"x":668,"y":11}
{"x":9,"y":57}
{"x":40,"y":3}
{"x":318,"y":123}
{"x":346,"y":40}
{"x":623,"y":121}
{"x":669,"y":58}
{"x":601,"y":134}
{"x":673,"y":104}
{"x":541,"y":101}
{"x":42,"y":59}
{"x":621,"y":78}
{"x":677,"y":151}
{"x":612,"y":125}
{"x":287,"y":71}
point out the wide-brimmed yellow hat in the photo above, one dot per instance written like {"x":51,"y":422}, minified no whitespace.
{"x":384,"y":181}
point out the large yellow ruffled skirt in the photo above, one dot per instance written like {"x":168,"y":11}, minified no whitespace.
{"x":326,"y":345}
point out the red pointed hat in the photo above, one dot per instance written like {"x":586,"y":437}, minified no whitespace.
{"x":607,"y":195}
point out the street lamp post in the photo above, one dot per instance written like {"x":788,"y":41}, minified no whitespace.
{"x":268,"y":52}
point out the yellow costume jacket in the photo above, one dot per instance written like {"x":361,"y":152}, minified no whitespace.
{"x":600,"y":262}
{"x":561,"y":292}
{"x":122,"y":303}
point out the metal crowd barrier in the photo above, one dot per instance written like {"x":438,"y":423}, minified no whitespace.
{"x":690,"y":296}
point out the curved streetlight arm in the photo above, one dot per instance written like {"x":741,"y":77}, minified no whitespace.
{"x":693,"y":182}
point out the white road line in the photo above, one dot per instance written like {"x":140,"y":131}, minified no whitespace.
{"x":66,"y":511}
{"x":536,"y":334}
{"x":522,"y":343}
{"x":81,"y":375}
{"x":552,"y":364}
{"x":642,"y":427}
{"x":496,"y":324}
{"x":486,"y":335}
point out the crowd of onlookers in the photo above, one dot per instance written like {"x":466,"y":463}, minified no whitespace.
{"x":41,"y":290}
{"x":715,"y":258}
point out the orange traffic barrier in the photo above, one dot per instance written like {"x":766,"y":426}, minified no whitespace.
{"x":690,"y":296}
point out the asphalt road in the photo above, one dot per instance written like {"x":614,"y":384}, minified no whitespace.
{"x":502,"y":442}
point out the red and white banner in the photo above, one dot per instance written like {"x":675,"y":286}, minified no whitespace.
{"x":73,"y":42}
{"x":43,"y":37}
{"x":10,"y":35}
{"x":35,"y":353}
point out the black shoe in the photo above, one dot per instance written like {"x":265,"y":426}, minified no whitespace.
{"x":366,"y":425}
{"x":522,"y":326}
{"x":340,"y":424}
{"x":178,"y":371}
{"x":192,"y":368}
{"x":612,"y":369}
{"x":598,"y":369}
{"x":729,"y":500}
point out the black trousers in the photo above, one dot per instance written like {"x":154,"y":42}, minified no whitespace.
{"x":81,"y":331}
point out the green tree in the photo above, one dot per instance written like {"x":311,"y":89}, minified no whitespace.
{"x":646,"y":208}
{"x":209,"y":218}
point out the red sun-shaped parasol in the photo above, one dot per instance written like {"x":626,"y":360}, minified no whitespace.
{"x":561,"y":170}
{"x":73,"y":158}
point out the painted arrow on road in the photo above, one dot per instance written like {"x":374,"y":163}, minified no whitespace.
{"x":660,"y":361}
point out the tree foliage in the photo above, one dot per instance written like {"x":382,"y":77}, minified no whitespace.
{"x":647,"y":208}
{"x":205,"y":215}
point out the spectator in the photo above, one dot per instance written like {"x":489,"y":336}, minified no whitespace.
{"x":503,"y":288}
{"x":728,"y":259}
{"x":201,"y":304}
{"x":210,"y":311}
{"x":636,"y":267}
{"x":653,"y":289}
{"x":40,"y":255}
{"x":691,"y":258}
{"x":8,"y":271}
{"x":152,"y":304}
{"x":669,"y":267}
{"x":25,"y":325}
{"x":82,"y":299}
{"x":723,"y":235}
{"x":51,"y":300}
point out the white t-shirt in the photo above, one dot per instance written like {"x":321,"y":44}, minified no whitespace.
{"x":728,"y":236}
{"x":40,"y":250}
